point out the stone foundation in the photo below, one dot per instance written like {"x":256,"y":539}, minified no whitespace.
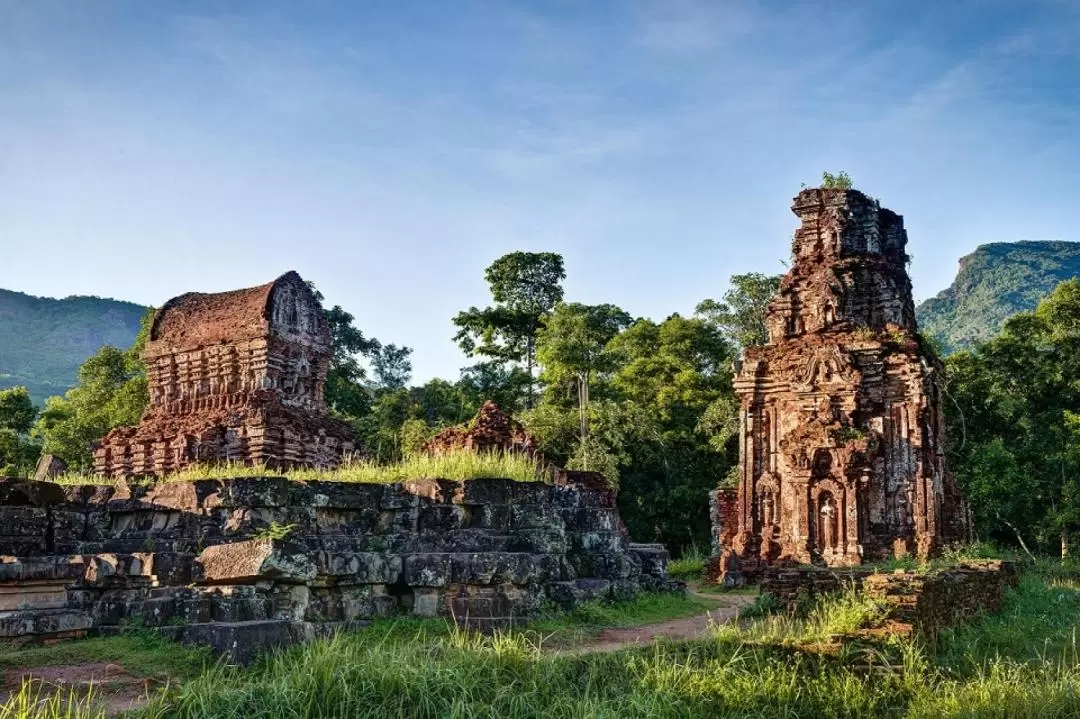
{"x":243,"y":564}
{"x":917,"y":603}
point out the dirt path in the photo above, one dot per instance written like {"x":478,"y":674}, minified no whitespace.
{"x":611,"y":640}
{"x":108,"y":686}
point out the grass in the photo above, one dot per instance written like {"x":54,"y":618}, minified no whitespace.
{"x":141,"y":653}
{"x":1019,"y":663}
{"x":689,"y":567}
{"x":458,"y":465}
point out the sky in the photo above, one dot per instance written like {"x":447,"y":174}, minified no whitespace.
{"x":390,"y":151}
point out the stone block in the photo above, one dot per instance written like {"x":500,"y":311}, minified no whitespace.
{"x":41,"y":569}
{"x":427,"y":602}
{"x":427,"y":570}
{"x":598,"y":542}
{"x":25,"y":521}
{"x":653,"y":558}
{"x":242,"y":642}
{"x":245,"y":562}
{"x":43,"y":623}
{"x":489,"y":491}
{"x":338,"y":495}
{"x":346,"y":521}
{"x":251,"y":492}
{"x":534,"y":516}
{"x":538,"y":541}
{"x":488,"y":516}
{"x":438,"y":519}
{"x":359,"y":567}
{"x":35,"y":595}
{"x":27,"y":493}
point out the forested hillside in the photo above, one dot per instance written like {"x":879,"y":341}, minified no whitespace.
{"x":43,"y":340}
{"x":995,"y":282}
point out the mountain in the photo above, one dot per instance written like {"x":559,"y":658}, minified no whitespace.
{"x":995,"y":282}
{"x":43,"y":341}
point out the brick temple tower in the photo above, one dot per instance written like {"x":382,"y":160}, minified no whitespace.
{"x":233,"y":376}
{"x":841,"y":451}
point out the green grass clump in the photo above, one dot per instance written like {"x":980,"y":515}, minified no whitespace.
{"x":827,"y":619}
{"x":458,"y":466}
{"x":142,"y":654}
{"x":690,"y":566}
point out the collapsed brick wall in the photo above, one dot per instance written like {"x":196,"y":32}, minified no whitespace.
{"x":915,"y":603}
{"x":246,"y":563}
{"x":924,"y":604}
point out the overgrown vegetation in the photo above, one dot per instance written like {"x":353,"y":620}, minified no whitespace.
{"x":1021,"y":662}
{"x":1013,"y":406}
{"x":457,"y":465}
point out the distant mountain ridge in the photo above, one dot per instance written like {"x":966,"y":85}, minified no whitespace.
{"x":43,"y":340}
{"x":995,"y":282}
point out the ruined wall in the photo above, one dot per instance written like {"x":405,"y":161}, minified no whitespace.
{"x":212,"y":561}
{"x":915,"y":603}
{"x":841,"y":451}
{"x":233,"y":376}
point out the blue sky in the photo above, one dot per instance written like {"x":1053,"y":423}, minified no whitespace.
{"x":390,"y":151}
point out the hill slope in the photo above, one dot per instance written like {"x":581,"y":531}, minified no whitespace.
{"x":994,"y":282}
{"x":43,"y":341}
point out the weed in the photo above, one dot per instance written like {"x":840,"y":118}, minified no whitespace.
{"x":276,"y":530}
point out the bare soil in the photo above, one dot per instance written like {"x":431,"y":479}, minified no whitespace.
{"x":107,"y":686}
{"x":611,"y":640}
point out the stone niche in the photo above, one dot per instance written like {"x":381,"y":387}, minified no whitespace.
{"x":841,"y":442}
{"x":250,"y":563}
{"x":233,"y":377}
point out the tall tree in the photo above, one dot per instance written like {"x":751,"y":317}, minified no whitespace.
{"x":525,"y":286}
{"x":392,"y":366}
{"x":1014,"y":429}
{"x":345,"y":390}
{"x":17,"y":413}
{"x":670,"y":374}
{"x":741,"y":314}
{"x":571,"y":347}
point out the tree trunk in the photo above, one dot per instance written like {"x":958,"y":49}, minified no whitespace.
{"x":1064,"y":543}
{"x":529,"y":351}
{"x":1016,"y":531}
{"x":583,"y":415}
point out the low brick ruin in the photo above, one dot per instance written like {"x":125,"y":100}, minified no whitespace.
{"x":233,"y":377}
{"x":491,"y":430}
{"x":915,"y":603}
{"x":244,"y":564}
{"x":841,"y":451}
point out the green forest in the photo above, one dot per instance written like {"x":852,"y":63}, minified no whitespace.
{"x":647,"y":403}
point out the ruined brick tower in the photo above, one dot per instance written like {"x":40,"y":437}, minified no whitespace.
{"x":841,"y":442}
{"x":233,"y":376}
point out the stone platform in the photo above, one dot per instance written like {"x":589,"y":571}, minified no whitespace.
{"x":247,"y":563}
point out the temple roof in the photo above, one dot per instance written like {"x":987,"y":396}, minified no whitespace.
{"x":200,"y":318}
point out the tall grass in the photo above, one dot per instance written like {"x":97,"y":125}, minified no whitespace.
{"x":690,"y":566}
{"x":458,"y":465}
{"x":33,"y":700}
{"x":429,"y":669}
